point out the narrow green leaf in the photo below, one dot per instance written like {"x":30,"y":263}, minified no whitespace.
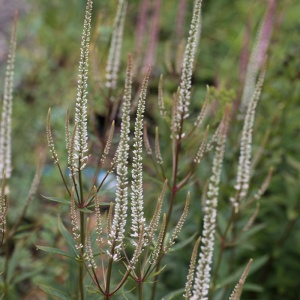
{"x":156,"y":273}
{"x":54,"y":292}
{"x":173,"y":294}
{"x":55,"y":251}
{"x":86,"y":210}
{"x":60,"y":200}
{"x":13,"y":263}
{"x":66,"y":235}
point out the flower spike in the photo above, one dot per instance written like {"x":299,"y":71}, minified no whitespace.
{"x":187,"y":66}
{"x":236,"y":294}
{"x":137,"y":203}
{"x":190,"y":276}
{"x":113,"y":61}
{"x":81,"y":137}
{"x":202,"y":281}
{"x":116,"y":232}
{"x":244,"y":171}
{"x":5,"y":126}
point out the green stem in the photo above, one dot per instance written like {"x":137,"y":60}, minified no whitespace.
{"x":108,"y":277}
{"x":7,"y":257}
{"x":81,"y":265}
{"x":82,"y":235}
{"x":141,"y":290}
{"x":174,"y":190}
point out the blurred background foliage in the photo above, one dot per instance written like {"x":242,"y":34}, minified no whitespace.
{"x":46,"y":76}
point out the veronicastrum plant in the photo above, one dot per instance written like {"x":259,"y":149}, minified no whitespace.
{"x":123,"y":246}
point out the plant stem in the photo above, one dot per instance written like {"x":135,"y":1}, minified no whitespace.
{"x":108,"y":277}
{"x":7,"y":257}
{"x":141,"y":290}
{"x":81,"y":265}
{"x":82,"y":235}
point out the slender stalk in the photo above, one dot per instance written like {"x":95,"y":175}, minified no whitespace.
{"x":81,"y":265}
{"x":176,"y":149}
{"x":108,"y":276}
{"x":140,"y":290}
{"x":7,"y":257}
{"x":63,"y":178}
{"x":82,"y":233}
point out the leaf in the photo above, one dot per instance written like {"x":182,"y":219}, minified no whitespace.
{"x":54,"y":251}
{"x":13,"y":263}
{"x":66,"y":235}
{"x":253,"y":287}
{"x":156,"y":273}
{"x":104,"y":204}
{"x":250,"y":232}
{"x":86,"y":210}
{"x":174,"y":293}
{"x":60,"y":200}
{"x":54,"y":292}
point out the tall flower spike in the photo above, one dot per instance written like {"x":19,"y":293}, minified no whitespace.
{"x":137,"y":202}
{"x":109,"y":218}
{"x":74,"y":222}
{"x":67,"y":131}
{"x":174,"y":133}
{"x":89,"y":250}
{"x":157,"y":148}
{"x":50,"y":138}
{"x":161,"y":103}
{"x":179,"y":224}
{"x":81,"y":137}
{"x":117,"y":229}
{"x":108,"y":143}
{"x":204,"y":109}
{"x":71,"y":153}
{"x":187,"y":66}
{"x":159,"y":242}
{"x":190,"y":277}
{"x":5,"y":127}
{"x":156,"y":215}
{"x":202,"y":148}
{"x":251,"y":74}
{"x":258,"y":53}
{"x":138,"y":250}
{"x":113,"y":61}
{"x":202,"y":281}
{"x":237,"y":292}
{"x":252,"y":218}
{"x":3,"y":206}
{"x":264,"y":185}
{"x":146,"y":141}
{"x":243,"y":173}
{"x":98,"y":218}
